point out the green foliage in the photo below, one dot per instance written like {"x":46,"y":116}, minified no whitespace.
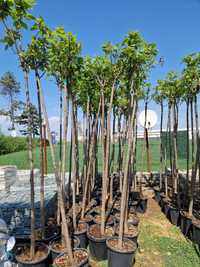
{"x":10,"y":144}
{"x":10,"y":88}
{"x":22,"y":120}
{"x":181,"y":144}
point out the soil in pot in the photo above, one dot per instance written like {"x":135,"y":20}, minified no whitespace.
{"x":97,"y":242}
{"x":88,"y":218}
{"x":186,"y":224}
{"x":81,"y":234}
{"x":57,"y":247}
{"x":196,"y":231}
{"x":109,"y":219}
{"x":124,"y":256}
{"x":80,"y":259}
{"x":22,"y":255}
{"x":174,"y":215}
{"x":132,"y":218}
{"x":130,"y":232}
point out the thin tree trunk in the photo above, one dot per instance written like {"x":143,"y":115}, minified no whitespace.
{"x":187,"y":150}
{"x":65,"y":232}
{"x":194,"y":163}
{"x":42,"y":209}
{"x":161,"y":144}
{"x":89,"y":164}
{"x":127,"y":161}
{"x":30,"y":153}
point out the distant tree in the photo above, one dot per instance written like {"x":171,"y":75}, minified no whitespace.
{"x":10,"y":88}
{"x":23,"y":121}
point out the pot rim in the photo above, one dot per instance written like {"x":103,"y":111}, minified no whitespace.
{"x":36,"y":261}
{"x":118,"y":250}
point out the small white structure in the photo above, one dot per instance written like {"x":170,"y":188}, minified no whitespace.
{"x":151,"y":118}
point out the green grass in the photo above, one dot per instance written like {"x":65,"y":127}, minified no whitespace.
{"x":20,"y":159}
{"x":172,"y":252}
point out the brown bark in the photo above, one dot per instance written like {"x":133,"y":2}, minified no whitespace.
{"x":132,"y":113}
{"x":30,"y":154}
{"x":42,"y":209}
{"x":65,"y":232}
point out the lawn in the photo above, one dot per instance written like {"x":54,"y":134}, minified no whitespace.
{"x":20,"y":159}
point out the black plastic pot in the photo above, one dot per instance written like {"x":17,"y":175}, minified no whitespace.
{"x":174,"y":215}
{"x":119,"y":258}
{"x":82,"y":236}
{"x":97,"y":247}
{"x":162,"y":196}
{"x":166,"y":208}
{"x":55,"y":253}
{"x":43,"y":262}
{"x":54,"y":234}
{"x":185,"y":224}
{"x":84,"y":263}
{"x":196,"y":233}
{"x":142,"y":205}
{"x":135,"y":221}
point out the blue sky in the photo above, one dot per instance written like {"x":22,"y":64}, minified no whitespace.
{"x":173,"y":25}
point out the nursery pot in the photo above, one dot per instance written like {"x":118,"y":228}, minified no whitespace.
{"x":186,"y":224}
{"x":88,"y":218}
{"x":80,"y":257}
{"x":162,"y":196}
{"x":142,"y":205}
{"x":131,"y":234}
{"x":174,"y":215}
{"x":97,"y":242}
{"x":166,"y":207}
{"x":57,"y":251}
{"x":81,"y":234}
{"x":157,"y":195}
{"x":118,"y":257}
{"x":40,"y":261}
{"x":109,"y":220}
{"x":134,"y":219}
{"x":196,"y":231}
{"x":52,"y":233}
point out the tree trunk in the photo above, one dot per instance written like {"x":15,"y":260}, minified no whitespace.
{"x":175,"y":168}
{"x":187,"y":151}
{"x":30,"y":154}
{"x":127,"y":161}
{"x":42,"y":209}
{"x":89,"y":164}
{"x":161,"y":144}
{"x":65,"y":232}
{"x":194,"y":162}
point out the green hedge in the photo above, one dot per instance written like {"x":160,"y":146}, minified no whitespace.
{"x":181,"y":143}
{"x":9,"y":144}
